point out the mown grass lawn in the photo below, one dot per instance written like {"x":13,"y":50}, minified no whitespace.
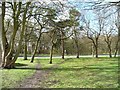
{"x":84,"y":73}
{"x":71,"y":73}
{"x":11,"y":77}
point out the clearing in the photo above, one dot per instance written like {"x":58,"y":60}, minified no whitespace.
{"x":69,"y":73}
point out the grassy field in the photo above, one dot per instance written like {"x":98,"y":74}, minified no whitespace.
{"x":68,"y":73}
{"x":84,"y":73}
{"x":10,"y":77}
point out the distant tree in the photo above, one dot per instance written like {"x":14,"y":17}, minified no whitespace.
{"x":64,"y":27}
{"x":108,"y":39}
{"x":54,"y":36}
{"x":118,"y":30}
{"x":75,"y":16}
{"x":27,"y":35}
{"x":94,"y":33}
{"x":109,"y":6}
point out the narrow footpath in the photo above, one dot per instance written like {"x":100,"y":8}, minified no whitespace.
{"x":35,"y":79}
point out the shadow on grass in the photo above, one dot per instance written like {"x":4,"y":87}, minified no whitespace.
{"x":73,"y":68}
{"x":107,"y":69}
{"x":20,"y":64}
{"x":105,"y":59}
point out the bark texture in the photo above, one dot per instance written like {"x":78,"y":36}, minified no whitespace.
{"x":8,"y":60}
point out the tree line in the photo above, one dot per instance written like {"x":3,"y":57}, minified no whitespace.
{"x":36,"y":26}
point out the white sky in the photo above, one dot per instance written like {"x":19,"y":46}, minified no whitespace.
{"x":95,"y":0}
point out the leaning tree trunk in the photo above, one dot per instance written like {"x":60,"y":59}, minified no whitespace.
{"x":36,"y":46}
{"x":110,"y":54}
{"x":116,"y":50}
{"x":108,"y":42}
{"x":9,"y":59}
{"x":4,"y":42}
{"x":4,"y":52}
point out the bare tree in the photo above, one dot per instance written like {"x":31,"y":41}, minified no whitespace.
{"x":118,"y":29}
{"x":94,"y":33}
{"x":108,"y":39}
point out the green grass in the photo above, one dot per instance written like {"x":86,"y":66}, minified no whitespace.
{"x":45,"y":62}
{"x":71,"y":73}
{"x":84,"y":73}
{"x":11,"y":77}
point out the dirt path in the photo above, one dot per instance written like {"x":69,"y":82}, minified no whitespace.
{"x":35,"y":79}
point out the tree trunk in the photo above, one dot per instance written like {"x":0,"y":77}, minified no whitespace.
{"x":92,"y":50}
{"x":95,"y":43}
{"x":51,"y":53}
{"x":96,"y":48}
{"x":4,"y":42}
{"x":36,"y":46}
{"x":21,"y":35}
{"x":110,"y":54}
{"x":25,"y":47}
{"x":62,"y":44}
{"x":63,"y":49}
{"x":0,"y":40}
{"x":116,"y":48}
{"x":4,"y":52}
{"x":108,"y":42}
{"x":77,"y":48}
{"x":25,"y":50}
{"x":96,"y":51}
{"x":9,"y":59}
{"x":76,"y":43}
